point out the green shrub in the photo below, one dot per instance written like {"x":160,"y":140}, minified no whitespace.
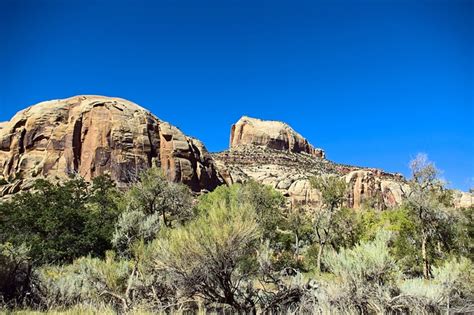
{"x":366,"y":276}
{"x":61,"y":222}
{"x":450,"y":290}
{"x":15,"y":273}
{"x":86,"y":280}
{"x":152,"y":203}
{"x":213,"y":257}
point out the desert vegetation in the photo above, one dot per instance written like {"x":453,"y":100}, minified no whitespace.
{"x":90,"y":247}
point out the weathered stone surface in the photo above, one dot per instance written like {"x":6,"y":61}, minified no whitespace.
{"x":463,"y":199}
{"x":94,"y":135}
{"x":290,"y":172}
{"x":271,"y":134}
{"x":377,"y":189}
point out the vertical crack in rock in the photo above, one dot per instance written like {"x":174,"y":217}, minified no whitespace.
{"x":77,"y":143}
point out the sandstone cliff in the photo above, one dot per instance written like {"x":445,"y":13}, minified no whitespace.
{"x":290,"y":172}
{"x":271,"y":134}
{"x":272,"y":153}
{"x":93,"y":135}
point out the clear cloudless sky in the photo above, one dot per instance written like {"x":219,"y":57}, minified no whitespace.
{"x":371,"y":82}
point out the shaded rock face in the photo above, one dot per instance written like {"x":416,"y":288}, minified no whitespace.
{"x":270,"y":134}
{"x":94,"y":135}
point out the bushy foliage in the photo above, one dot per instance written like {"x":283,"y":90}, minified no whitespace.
{"x":450,"y":290}
{"x":150,"y":204}
{"x":212,"y":256}
{"x":365,"y":275}
{"x":328,"y":221}
{"x":134,"y":226}
{"x":267,"y":203}
{"x":153,"y":193}
{"x":60,"y":222}
{"x":86,"y":280}
{"x":15,"y":273}
{"x":428,"y":201}
{"x":236,"y":249}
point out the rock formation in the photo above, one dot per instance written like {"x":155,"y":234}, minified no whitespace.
{"x":271,"y":134}
{"x":290,"y":172}
{"x":94,"y":135}
{"x":272,"y":153}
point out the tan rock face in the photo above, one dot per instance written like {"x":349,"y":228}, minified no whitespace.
{"x":374,"y":188}
{"x":290,"y":172}
{"x":463,"y":199}
{"x":93,"y":135}
{"x":271,"y":134}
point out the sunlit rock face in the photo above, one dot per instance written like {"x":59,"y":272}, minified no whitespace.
{"x":89,"y":136}
{"x":270,"y":134}
{"x":272,"y":153}
{"x":94,"y":135}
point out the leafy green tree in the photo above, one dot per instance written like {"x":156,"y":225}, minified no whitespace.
{"x":397,"y":221}
{"x":153,"y":193}
{"x":61,"y":221}
{"x":465,"y":233}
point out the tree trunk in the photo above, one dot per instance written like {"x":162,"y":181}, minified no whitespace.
{"x":320,"y":254}
{"x":165,"y":222}
{"x":424,"y":255}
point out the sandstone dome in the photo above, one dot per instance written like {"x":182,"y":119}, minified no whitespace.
{"x":94,"y":135}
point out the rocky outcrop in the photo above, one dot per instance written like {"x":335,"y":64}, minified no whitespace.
{"x":463,"y":199}
{"x":374,"y":188}
{"x":290,"y":174}
{"x":272,"y":153}
{"x":270,"y":134}
{"x":95,"y":135}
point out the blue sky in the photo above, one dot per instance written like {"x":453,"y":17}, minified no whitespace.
{"x":371,"y":82}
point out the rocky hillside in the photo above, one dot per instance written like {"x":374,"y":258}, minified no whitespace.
{"x":256,"y":156}
{"x":93,"y":135}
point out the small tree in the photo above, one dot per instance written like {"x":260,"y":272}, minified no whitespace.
{"x":333,"y":190}
{"x":151,"y":203}
{"x":153,"y":193}
{"x":428,"y":200}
